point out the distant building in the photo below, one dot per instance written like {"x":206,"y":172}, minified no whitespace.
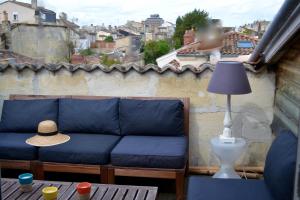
{"x":155,"y":28}
{"x":135,"y":26}
{"x":124,"y":31}
{"x":255,"y":29}
{"x":149,"y":36}
{"x":73,"y":30}
{"x":129,"y":44}
{"x":93,"y":28}
{"x":167,"y":29}
{"x":228,"y":29}
{"x":101,"y":35}
{"x":19,"y":12}
{"x":153,"y":23}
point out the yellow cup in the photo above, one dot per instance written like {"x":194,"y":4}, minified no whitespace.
{"x":50,"y":193}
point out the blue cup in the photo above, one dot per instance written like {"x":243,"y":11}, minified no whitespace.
{"x":25,"y":179}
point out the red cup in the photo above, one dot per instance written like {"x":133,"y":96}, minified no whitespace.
{"x":84,"y":190}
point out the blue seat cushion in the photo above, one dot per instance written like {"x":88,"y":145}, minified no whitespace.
{"x":151,"y":117}
{"x":150,"y":151}
{"x":25,"y":115}
{"x":14,"y":147}
{"x":82,"y":148}
{"x":89,"y":116}
{"x":280,"y":165}
{"x":206,"y":188}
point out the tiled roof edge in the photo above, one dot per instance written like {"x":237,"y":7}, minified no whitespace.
{"x":121,"y":68}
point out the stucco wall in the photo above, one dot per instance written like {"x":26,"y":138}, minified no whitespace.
{"x":252,"y":113}
{"x":46,"y":43}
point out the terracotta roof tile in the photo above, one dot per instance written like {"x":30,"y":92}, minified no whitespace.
{"x":124,"y":68}
{"x":230,"y":44}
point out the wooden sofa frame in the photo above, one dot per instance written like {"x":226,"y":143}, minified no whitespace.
{"x":107,"y":172}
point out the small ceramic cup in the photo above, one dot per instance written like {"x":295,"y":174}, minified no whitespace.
{"x":84,"y":190}
{"x":50,"y":193}
{"x":25,"y":181}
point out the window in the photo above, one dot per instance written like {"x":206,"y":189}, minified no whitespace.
{"x":244,"y":44}
{"x":15,"y":16}
{"x":43,"y":16}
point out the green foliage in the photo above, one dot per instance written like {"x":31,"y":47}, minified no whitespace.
{"x":196,"y":19}
{"x":108,"y":62}
{"x":86,"y":52}
{"x":155,"y":49}
{"x":109,"y":39}
{"x":142,"y":47}
{"x":247,"y":31}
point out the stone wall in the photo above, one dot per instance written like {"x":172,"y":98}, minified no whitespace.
{"x":287,"y":101}
{"x":252,"y":113}
{"x":48,"y":43}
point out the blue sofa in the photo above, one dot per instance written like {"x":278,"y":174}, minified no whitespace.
{"x":277,"y":184}
{"x":146,"y":136}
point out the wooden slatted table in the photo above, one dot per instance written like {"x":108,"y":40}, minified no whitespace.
{"x":10,"y":191}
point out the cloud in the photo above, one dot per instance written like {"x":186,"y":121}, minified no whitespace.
{"x":117,"y":12}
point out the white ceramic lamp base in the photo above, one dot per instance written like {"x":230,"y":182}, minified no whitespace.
{"x":227,"y":153}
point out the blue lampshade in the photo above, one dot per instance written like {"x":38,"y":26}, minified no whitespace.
{"x":229,"y":77}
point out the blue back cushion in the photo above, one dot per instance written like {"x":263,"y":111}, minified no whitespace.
{"x":25,"y":115}
{"x":151,"y":117}
{"x":89,"y":116}
{"x":280,"y":166}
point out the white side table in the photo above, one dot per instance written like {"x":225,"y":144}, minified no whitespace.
{"x":227,"y":153}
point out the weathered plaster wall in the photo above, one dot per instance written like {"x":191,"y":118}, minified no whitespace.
{"x":45,"y":43}
{"x":252,"y":113}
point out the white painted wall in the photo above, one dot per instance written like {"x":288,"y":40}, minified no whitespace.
{"x":24,"y":14}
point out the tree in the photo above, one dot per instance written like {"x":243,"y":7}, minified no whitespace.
{"x":196,"y":19}
{"x":155,"y":49}
{"x":109,"y":39}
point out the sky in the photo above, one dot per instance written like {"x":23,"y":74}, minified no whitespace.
{"x":117,"y":12}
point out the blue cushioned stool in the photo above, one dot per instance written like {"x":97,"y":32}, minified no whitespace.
{"x":277,"y":184}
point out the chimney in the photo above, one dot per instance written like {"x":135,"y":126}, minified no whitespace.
{"x":5,"y":23}
{"x":63,"y":15}
{"x":34,"y":4}
{"x":189,"y":37}
{"x":5,"y":16}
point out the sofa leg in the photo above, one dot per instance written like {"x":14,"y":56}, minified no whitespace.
{"x":103,"y":174}
{"x":187,"y":167}
{"x":180,"y":185}
{"x":111,"y":176}
{"x":37,"y":170}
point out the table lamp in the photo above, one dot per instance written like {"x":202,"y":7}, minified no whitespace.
{"x":229,"y":78}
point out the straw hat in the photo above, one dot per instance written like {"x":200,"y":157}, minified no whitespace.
{"x":47,"y":135}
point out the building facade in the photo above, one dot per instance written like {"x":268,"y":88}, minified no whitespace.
{"x":19,"y":12}
{"x":152,"y":23}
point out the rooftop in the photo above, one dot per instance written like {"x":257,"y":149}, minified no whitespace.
{"x":27,"y":5}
